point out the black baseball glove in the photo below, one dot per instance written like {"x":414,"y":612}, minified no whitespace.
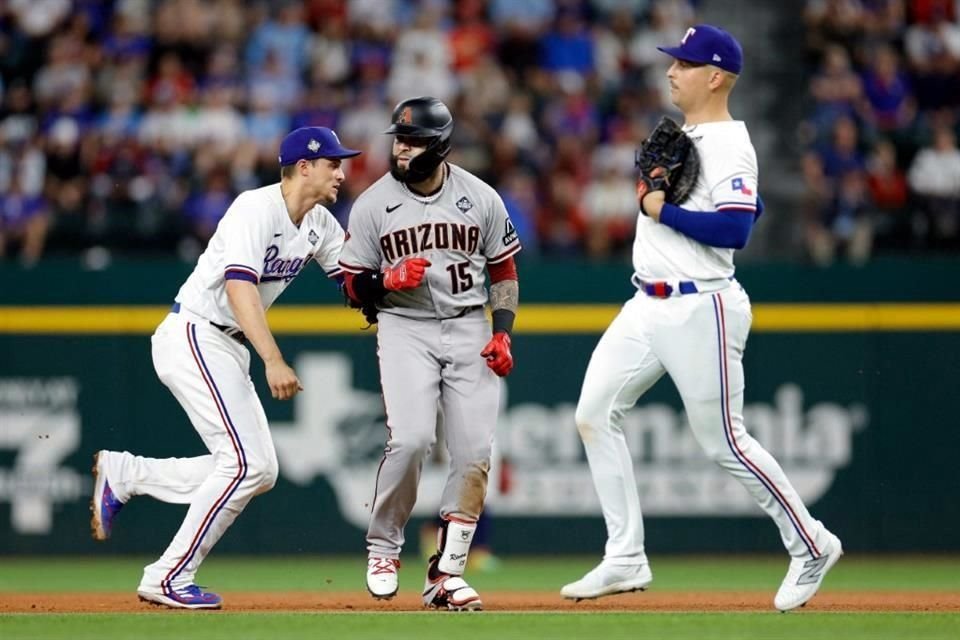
{"x":368,"y":309}
{"x":667,"y":161}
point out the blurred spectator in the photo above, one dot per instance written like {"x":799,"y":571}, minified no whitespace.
{"x":560,"y":220}
{"x":933,"y":53}
{"x":889,"y":193}
{"x":610,"y":208}
{"x":207,"y":204}
{"x":935,"y":178}
{"x":24,"y":220}
{"x":844,"y":225}
{"x":889,"y":105}
{"x":666,"y":24}
{"x":836,"y":89}
{"x":422,"y":58}
{"x":472,"y":39}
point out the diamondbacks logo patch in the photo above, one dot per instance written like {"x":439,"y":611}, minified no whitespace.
{"x":509,"y":232}
{"x":313,"y":237}
{"x":405,"y":117}
{"x":464,"y":205}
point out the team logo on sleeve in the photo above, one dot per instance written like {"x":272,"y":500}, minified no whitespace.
{"x":739,"y":185}
{"x":464,"y":205}
{"x":313,"y":237}
{"x":509,"y":232}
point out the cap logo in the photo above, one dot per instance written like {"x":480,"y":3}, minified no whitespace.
{"x":406,"y":116}
{"x":313,"y":145}
{"x":689,"y":33}
{"x":717,"y":58}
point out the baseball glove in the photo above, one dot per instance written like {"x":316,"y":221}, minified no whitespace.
{"x":667,"y":161}
{"x":369,"y":310}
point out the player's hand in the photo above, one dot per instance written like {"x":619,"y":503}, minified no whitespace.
{"x":652,"y":204}
{"x":282,"y":379}
{"x":647,"y":185}
{"x":497,"y":353}
{"x":406,"y":275}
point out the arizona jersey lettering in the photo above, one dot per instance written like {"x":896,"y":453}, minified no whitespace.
{"x":460,"y":229}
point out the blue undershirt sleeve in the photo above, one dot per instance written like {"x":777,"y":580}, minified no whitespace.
{"x":728,"y":229}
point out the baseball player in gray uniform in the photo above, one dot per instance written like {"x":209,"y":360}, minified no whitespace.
{"x":200,"y":353}
{"x":690,"y":319}
{"x":417,"y":244}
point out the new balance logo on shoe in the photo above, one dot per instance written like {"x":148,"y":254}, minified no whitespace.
{"x":812,"y":570}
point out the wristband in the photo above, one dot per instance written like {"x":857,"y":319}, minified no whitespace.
{"x":503,"y":320}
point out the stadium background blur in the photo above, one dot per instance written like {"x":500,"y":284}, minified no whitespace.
{"x":127,"y":126}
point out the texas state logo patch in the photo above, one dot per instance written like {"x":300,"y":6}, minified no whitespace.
{"x":737,"y":184}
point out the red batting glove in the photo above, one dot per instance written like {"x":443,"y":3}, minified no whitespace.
{"x":406,"y":275}
{"x":497,"y":353}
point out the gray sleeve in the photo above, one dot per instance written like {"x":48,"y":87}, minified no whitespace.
{"x":500,"y":237}
{"x":361,"y":246}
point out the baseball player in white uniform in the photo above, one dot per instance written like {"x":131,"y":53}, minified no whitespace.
{"x":418,"y":243}
{"x":200,"y":353}
{"x":690,"y":319}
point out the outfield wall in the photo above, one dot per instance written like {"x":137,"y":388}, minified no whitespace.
{"x":851,"y":383}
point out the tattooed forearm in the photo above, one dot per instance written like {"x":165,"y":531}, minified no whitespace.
{"x":505,"y":295}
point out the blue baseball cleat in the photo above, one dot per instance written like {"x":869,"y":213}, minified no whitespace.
{"x":104,"y":506}
{"x":188,"y":597}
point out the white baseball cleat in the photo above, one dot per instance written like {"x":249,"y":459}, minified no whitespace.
{"x":382,"y":578}
{"x":805,"y":576}
{"x":607,"y":579}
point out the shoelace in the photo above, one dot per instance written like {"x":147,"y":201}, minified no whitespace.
{"x":385,"y":565}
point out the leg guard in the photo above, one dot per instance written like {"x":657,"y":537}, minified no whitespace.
{"x":453,"y":545}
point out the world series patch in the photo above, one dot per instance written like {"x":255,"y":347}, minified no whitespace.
{"x":464,"y":205}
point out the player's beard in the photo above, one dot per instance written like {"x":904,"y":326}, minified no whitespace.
{"x":398,"y":172}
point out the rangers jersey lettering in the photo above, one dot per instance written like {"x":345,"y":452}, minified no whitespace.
{"x":256,"y":241}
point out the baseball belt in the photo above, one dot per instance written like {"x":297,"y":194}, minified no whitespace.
{"x":232,"y":332}
{"x":667,"y":288}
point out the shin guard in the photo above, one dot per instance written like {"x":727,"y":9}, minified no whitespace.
{"x":453,"y":545}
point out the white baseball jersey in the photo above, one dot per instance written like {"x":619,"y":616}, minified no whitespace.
{"x":460,"y":229}
{"x":728,"y":179}
{"x":256,"y":241}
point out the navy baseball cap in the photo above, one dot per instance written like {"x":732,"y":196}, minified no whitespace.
{"x":706,"y":44}
{"x":310,"y":143}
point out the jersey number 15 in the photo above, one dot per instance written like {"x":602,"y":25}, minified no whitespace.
{"x":460,"y":279}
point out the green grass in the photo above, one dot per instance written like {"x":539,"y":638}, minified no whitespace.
{"x":224,"y":573}
{"x":490,"y":626}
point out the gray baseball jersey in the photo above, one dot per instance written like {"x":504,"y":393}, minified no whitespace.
{"x":430,"y":339}
{"x":460,"y":229}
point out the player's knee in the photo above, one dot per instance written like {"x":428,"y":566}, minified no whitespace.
{"x":414,"y":445}
{"x":588,"y":417}
{"x":263,"y":473}
{"x":718,"y":452}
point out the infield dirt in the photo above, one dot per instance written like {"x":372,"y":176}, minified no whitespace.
{"x":503,"y":601}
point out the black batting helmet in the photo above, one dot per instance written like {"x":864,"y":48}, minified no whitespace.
{"x":422,"y":117}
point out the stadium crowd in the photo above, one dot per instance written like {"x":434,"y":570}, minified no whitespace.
{"x":130,"y":125}
{"x":882,"y":166}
